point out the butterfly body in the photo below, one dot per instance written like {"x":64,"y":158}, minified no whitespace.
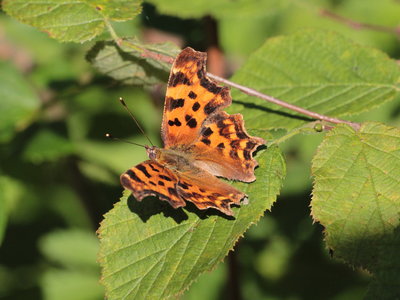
{"x":169,"y":158}
{"x":201,"y":141}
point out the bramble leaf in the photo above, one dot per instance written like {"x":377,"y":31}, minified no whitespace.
{"x":356,"y":196}
{"x":317,"y":70}
{"x":148,"y":250}
{"x":71,"y":21}
{"x":126,"y":63}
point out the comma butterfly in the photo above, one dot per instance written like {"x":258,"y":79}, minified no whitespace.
{"x":201,"y":141}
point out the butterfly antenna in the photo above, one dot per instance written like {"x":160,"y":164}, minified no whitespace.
{"x":134,"y":119}
{"x":109,"y":136}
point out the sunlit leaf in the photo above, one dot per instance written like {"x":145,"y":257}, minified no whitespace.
{"x":317,"y":70}
{"x":149,"y":250}
{"x":356,"y":194}
{"x":128,"y":64}
{"x":71,"y":21}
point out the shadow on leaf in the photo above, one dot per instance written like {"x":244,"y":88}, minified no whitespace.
{"x":268,"y":110}
{"x":205,"y":213}
{"x":151,"y":206}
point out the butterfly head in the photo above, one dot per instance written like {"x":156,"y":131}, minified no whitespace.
{"x":152,"y":152}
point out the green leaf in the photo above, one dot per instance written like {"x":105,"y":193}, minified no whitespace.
{"x":208,"y":285}
{"x":71,"y":21}
{"x":201,"y":8}
{"x":317,"y":70}
{"x":19,"y":103}
{"x":61,"y":246}
{"x":3,"y":215}
{"x":196,"y":9}
{"x":356,"y":194}
{"x":382,"y":13}
{"x":47,"y":145}
{"x":67,"y":284}
{"x":386,"y":281}
{"x":150,"y":251}
{"x":246,"y":18}
{"x":126,"y":63}
{"x":11,"y":192}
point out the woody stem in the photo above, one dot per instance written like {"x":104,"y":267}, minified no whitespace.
{"x":252,"y":92}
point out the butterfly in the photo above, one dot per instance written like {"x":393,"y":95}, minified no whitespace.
{"x":201,"y":141}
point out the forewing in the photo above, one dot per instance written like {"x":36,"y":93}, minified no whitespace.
{"x":207,"y":191}
{"x":224,"y":148}
{"x":191,"y":97}
{"x":152,"y":179}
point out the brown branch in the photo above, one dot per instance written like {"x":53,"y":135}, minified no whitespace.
{"x":157,"y":56}
{"x":252,"y":92}
{"x":359,"y":25}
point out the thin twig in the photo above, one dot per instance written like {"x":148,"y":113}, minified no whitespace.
{"x":359,"y":25}
{"x":157,"y":56}
{"x":113,"y":34}
{"x":252,"y":92}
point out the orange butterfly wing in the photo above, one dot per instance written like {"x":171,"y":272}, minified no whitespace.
{"x":204,"y":190}
{"x":200,"y":142}
{"x":152,"y":179}
{"x":191,"y":97}
{"x":194,"y":121}
{"x":225,"y":149}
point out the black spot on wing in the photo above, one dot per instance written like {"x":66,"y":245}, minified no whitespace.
{"x":175,"y":122}
{"x":210,"y":108}
{"x":165,"y":178}
{"x":196,"y":106}
{"x":178,"y":78}
{"x":182,"y":185}
{"x":233,"y":154}
{"x":241,"y":135}
{"x":174,"y":103}
{"x":247,"y":155}
{"x":208,"y":84}
{"x":221,"y":124}
{"x":206,"y":141}
{"x":235,"y":144}
{"x":225,"y":203}
{"x":172,"y":191}
{"x":153,"y":168}
{"x":133,"y":176}
{"x":221,"y":146}
{"x":250,"y":145}
{"x":192,"y":95}
{"x":207,"y":131}
{"x":161,"y":183}
{"x":192,"y":123}
{"x":143,"y":169}
{"x":239,"y":132}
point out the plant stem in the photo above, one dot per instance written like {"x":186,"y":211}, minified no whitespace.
{"x":358,"y":25}
{"x":252,"y":92}
{"x":307,"y":128}
{"x":113,"y":34}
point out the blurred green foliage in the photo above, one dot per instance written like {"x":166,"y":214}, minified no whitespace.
{"x":59,"y":175}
